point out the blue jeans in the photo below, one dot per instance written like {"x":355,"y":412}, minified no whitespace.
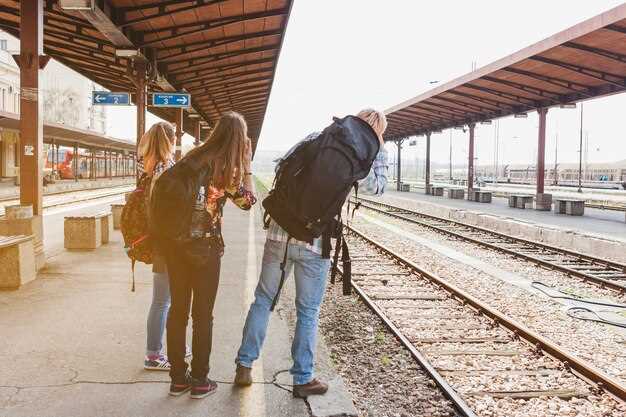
{"x":310,"y":272}
{"x":157,"y":317}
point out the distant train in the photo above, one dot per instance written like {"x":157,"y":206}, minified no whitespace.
{"x":61,"y":165}
{"x":596,"y":175}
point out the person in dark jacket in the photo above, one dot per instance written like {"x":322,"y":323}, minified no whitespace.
{"x":194,"y":263}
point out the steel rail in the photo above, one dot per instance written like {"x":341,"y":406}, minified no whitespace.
{"x":603,"y":282}
{"x":446,"y":389}
{"x":577,"y":366}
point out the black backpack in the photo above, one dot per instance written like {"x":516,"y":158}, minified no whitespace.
{"x":173,"y":198}
{"x":314,"y":180}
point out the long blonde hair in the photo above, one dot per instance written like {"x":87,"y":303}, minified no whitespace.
{"x":376,"y":119}
{"x":225,"y":149}
{"x":156,"y":145}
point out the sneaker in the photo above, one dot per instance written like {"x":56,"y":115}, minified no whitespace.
{"x":156,"y":363}
{"x":243,"y":376}
{"x":201,"y":388}
{"x":179,"y":387}
{"x":187,"y":352}
{"x":314,"y":387}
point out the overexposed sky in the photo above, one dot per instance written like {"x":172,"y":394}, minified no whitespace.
{"x":340,"y":56}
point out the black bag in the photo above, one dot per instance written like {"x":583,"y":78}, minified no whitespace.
{"x":312,"y":184}
{"x":173,"y":198}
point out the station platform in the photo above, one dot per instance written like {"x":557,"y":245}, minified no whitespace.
{"x":599,"y":233}
{"x":74,"y":339}
{"x":9,"y":191}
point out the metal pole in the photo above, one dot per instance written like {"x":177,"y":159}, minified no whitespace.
{"x":399,"y":166}
{"x":451,"y":176}
{"x":541,"y":150}
{"x":179,"y":133}
{"x":470,"y":161}
{"x":31,"y":123}
{"x":497,"y":126}
{"x":140,"y":101}
{"x":427,"y":180}
{"x":556,"y":159}
{"x":580,"y":151}
{"x":197,"y":129}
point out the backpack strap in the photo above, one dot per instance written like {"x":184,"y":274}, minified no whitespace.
{"x":356,"y":197}
{"x":132,"y":268}
{"x":266,"y":220}
{"x":283,"y":270}
{"x":347,"y":268}
{"x":336,"y":258}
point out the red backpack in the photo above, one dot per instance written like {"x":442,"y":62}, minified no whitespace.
{"x":134,"y":225}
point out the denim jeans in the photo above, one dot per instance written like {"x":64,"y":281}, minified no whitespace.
{"x":310,"y":272}
{"x":157,"y":316}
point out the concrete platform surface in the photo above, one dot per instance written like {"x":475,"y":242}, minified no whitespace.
{"x":603,"y":223}
{"x":73,"y":340}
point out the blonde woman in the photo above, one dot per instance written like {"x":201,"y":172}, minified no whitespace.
{"x":217,"y":171}
{"x":156,"y":150}
{"x":310,"y":274}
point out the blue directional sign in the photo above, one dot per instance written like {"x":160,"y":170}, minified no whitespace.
{"x":171,"y":99}
{"x":107,"y":98}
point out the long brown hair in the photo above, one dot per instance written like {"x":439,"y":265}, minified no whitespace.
{"x":156,"y":145}
{"x":225,"y":149}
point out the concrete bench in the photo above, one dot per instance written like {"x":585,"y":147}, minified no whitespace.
{"x":436,"y":191}
{"x":571,"y":207}
{"x":456,"y":193}
{"x":87,"y":232}
{"x":480,"y":196}
{"x":520,"y":201}
{"x":17,"y":261}
{"x":404,"y":187}
{"x":116,"y":210}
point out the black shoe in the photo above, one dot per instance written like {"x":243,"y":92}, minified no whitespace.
{"x":201,"y":388}
{"x":180,"y":386}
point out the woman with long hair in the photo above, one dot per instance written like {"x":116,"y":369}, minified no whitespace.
{"x":194,"y":261}
{"x":156,"y":150}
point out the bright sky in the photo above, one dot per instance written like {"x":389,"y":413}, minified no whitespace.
{"x":340,"y":56}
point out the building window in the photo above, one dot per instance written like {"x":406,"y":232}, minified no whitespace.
{"x":3,"y":44}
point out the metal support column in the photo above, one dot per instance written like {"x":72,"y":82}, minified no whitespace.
{"x":75,"y":162}
{"x":140,"y":100}
{"x":470,"y":161}
{"x":542,"y":201}
{"x":427,"y":179}
{"x":399,"y":165}
{"x":197,"y":131}
{"x":31,"y":115}
{"x":179,"y":133}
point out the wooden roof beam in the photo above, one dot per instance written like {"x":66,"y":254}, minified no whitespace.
{"x":201,"y":74}
{"x":522,"y":101}
{"x":613,"y":56}
{"x":557,"y":82}
{"x":191,"y":64}
{"x":483,"y":100}
{"x":589,"y":72}
{"x":161,"y":9}
{"x":177,"y":33}
{"x":544,"y":94}
{"x":223,"y":77}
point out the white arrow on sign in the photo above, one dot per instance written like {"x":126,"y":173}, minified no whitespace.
{"x":183,"y":100}
{"x":99,"y":98}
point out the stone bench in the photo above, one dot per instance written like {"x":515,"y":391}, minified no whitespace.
{"x":480,"y":196}
{"x":571,"y":207}
{"x":436,"y":191}
{"x":456,"y":193}
{"x":520,"y":201}
{"x":87,"y":232}
{"x":116,"y":210}
{"x":17,"y":261}
{"x":404,"y":187}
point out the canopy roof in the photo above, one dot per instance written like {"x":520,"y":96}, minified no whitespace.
{"x":583,"y":62}
{"x":223,"y":52}
{"x":68,"y":136}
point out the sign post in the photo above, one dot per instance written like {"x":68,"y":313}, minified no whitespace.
{"x":107,"y":98}
{"x":171,"y":100}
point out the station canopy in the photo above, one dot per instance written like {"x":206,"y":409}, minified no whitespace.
{"x":223,"y":52}
{"x":583,"y":62}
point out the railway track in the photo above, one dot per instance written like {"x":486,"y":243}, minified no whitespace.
{"x":484,"y":362}
{"x":603,"y":272}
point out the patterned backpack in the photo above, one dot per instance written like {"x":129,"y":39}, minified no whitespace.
{"x":134,"y":225}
